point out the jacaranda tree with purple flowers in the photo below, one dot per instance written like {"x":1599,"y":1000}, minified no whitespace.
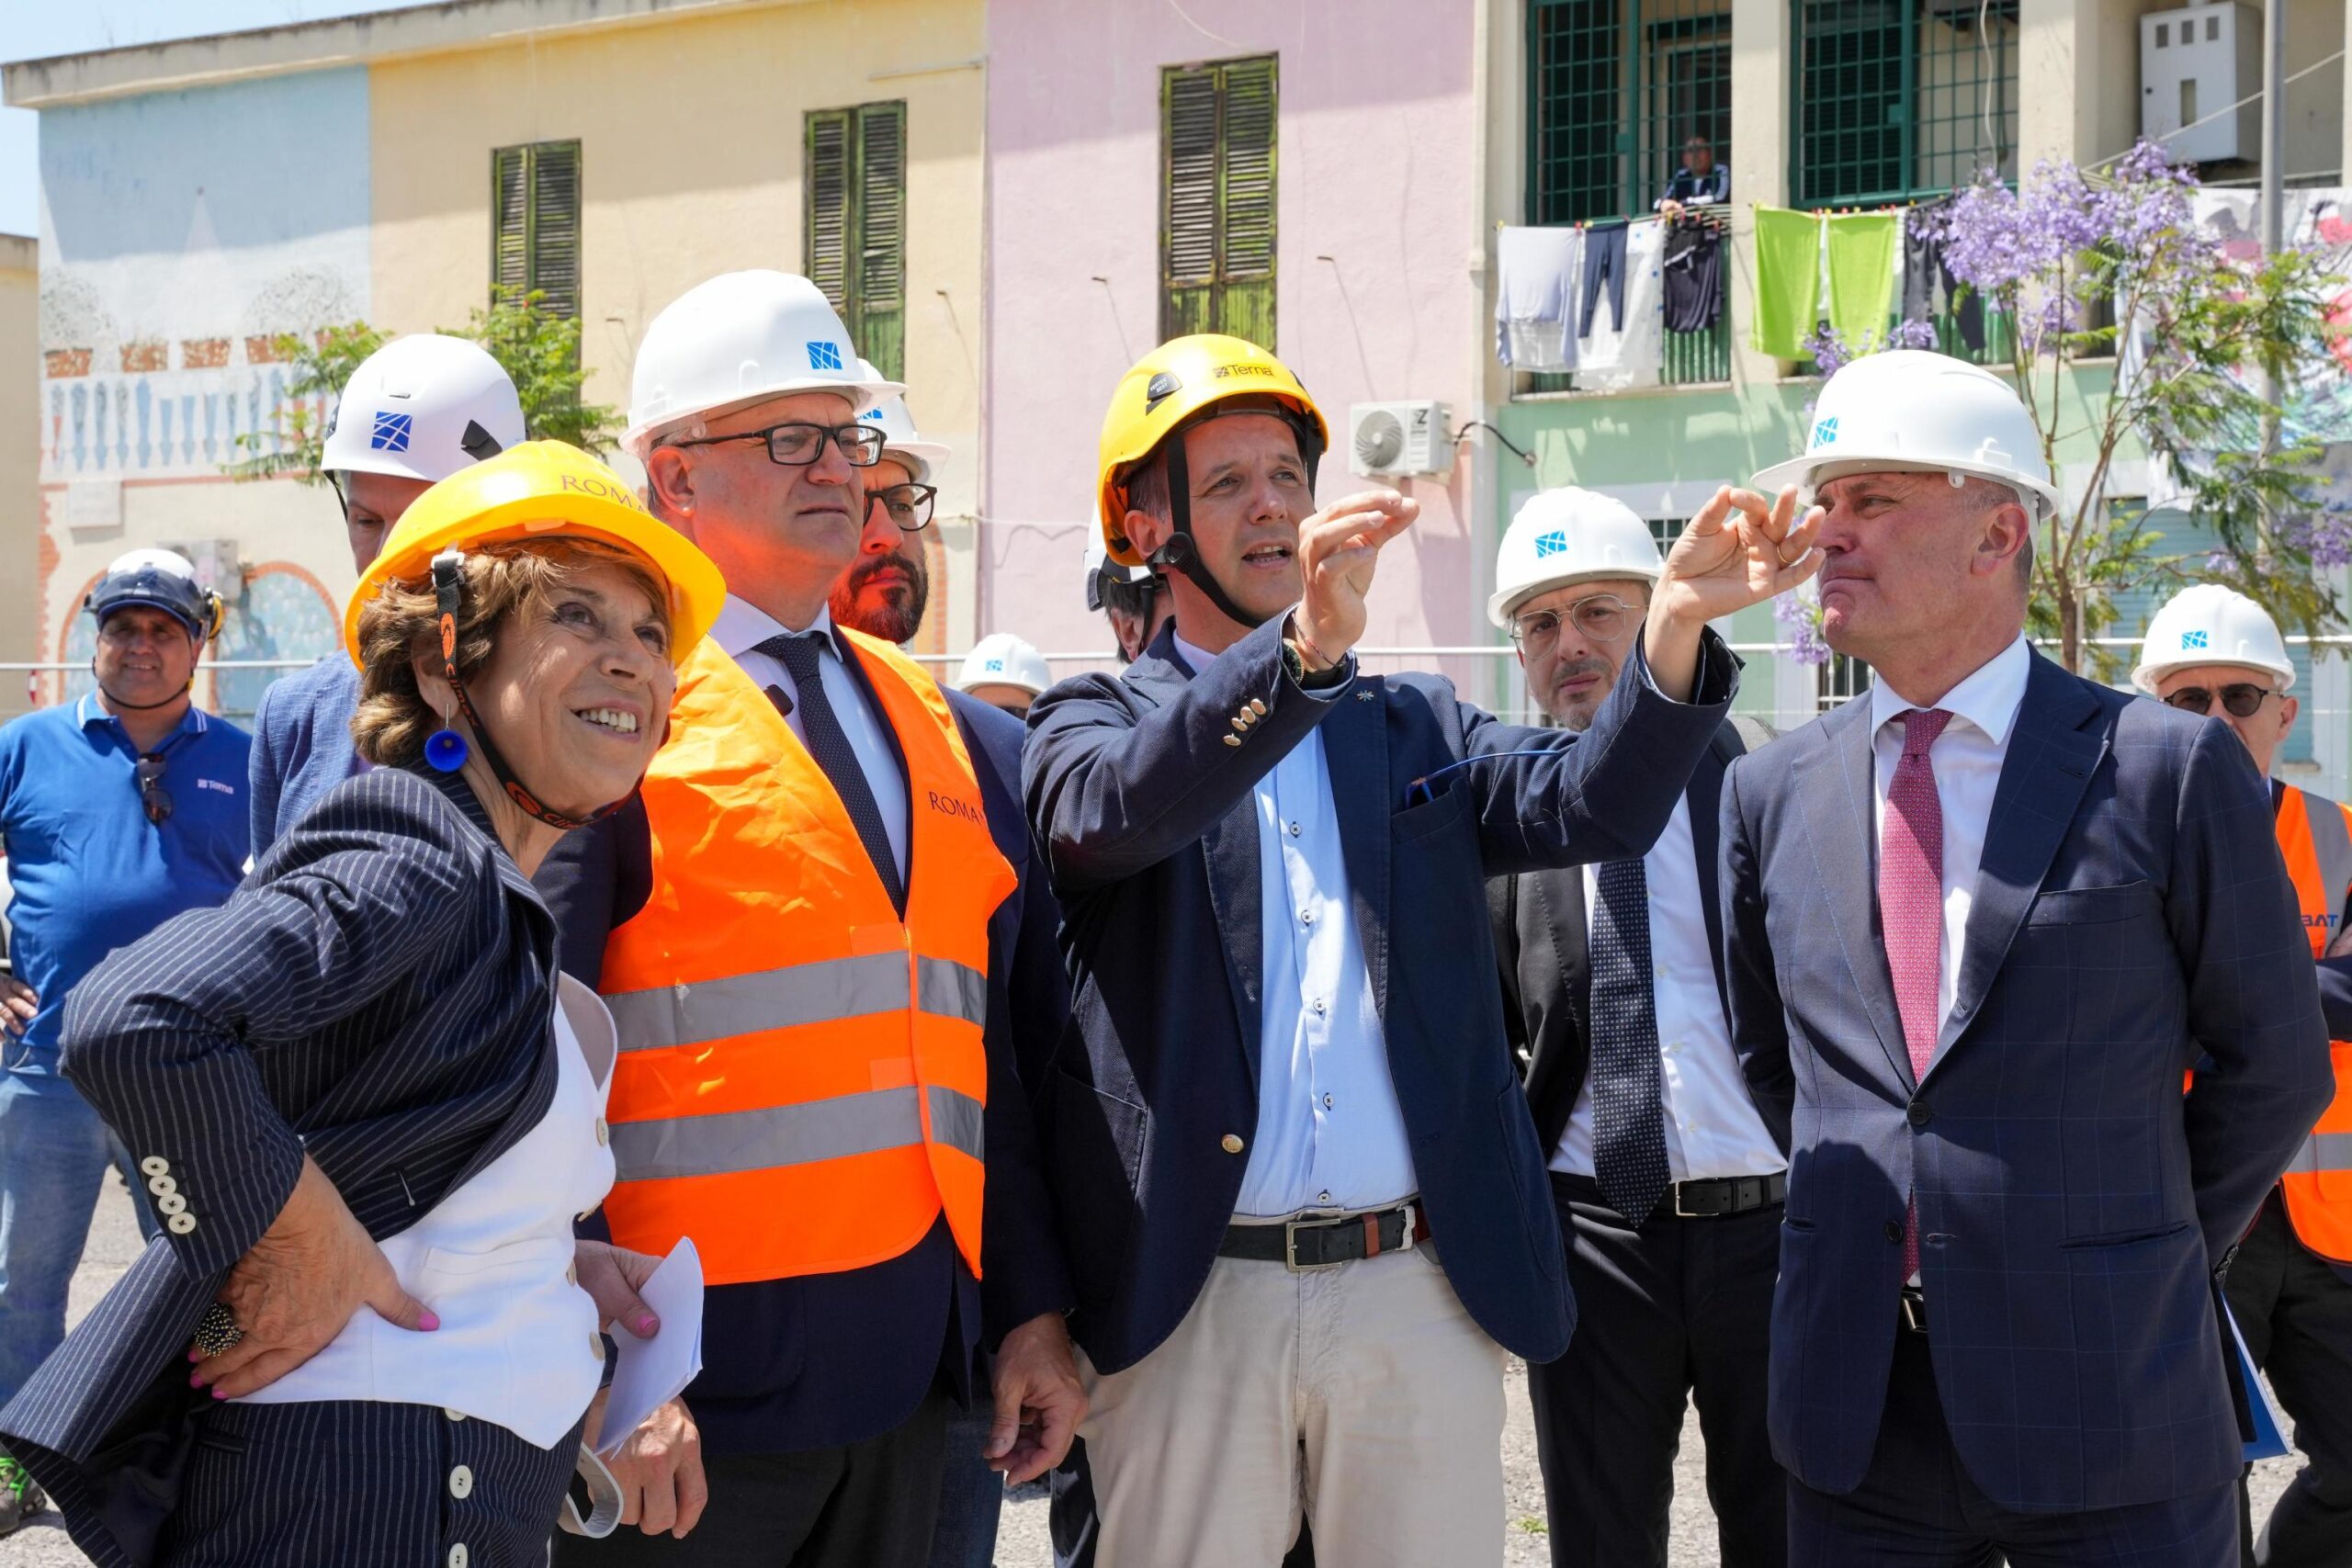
{"x":2110,"y":264}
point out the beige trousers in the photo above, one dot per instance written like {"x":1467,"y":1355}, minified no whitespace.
{"x":1364,"y":1395}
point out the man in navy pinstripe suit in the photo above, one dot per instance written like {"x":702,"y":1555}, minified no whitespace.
{"x":1978,"y":921}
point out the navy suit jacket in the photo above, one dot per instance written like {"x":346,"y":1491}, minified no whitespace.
{"x":2132,"y":914}
{"x":377,"y":995}
{"x":824,"y":1360}
{"x":1147,"y":822}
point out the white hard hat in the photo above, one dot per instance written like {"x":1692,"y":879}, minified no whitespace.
{"x":1000,"y":658}
{"x":1565,"y":536}
{"x":2212,"y":625}
{"x":737,"y":339}
{"x":1912,"y":409}
{"x":901,"y":442}
{"x":1099,"y":566}
{"x":423,"y":406}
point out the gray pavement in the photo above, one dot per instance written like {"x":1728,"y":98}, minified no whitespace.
{"x":1021,"y":1541}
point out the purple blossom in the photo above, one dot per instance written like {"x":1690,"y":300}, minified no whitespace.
{"x":1799,"y":612}
{"x":2325,"y":536}
{"x":1832,"y":353}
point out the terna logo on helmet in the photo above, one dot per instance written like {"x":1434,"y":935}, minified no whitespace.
{"x":1553,"y":543}
{"x":2192,"y":640}
{"x":824,"y":356}
{"x":1826,"y":432}
{"x":391,"y":432}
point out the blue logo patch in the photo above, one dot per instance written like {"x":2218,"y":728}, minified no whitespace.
{"x":1552,"y":543}
{"x":873,"y":415}
{"x":391,"y":432}
{"x":1826,"y":432}
{"x":824,"y":357}
{"x":994,"y":664}
{"x":2192,"y":640}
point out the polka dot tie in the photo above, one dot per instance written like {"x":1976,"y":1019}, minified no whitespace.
{"x":1628,"y":1124}
{"x":1911,"y":907}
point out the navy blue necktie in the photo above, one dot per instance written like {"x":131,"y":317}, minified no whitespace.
{"x":1628,"y":1124}
{"x":821,"y":728}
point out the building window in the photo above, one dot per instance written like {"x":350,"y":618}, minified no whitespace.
{"x":1216,"y":213}
{"x":1896,"y":100}
{"x":1617,"y":92}
{"x":1840,"y":679}
{"x":535,"y":223}
{"x":855,"y":240}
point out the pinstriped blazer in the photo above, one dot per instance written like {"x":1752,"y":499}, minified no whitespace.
{"x":376,"y":994}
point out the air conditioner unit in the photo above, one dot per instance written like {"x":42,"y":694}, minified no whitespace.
{"x":1397,"y":440}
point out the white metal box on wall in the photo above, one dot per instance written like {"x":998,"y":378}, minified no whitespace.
{"x":2195,"y":63}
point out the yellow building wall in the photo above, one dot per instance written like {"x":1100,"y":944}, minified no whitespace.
{"x":692,"y":163}
{"x":19,"y":463}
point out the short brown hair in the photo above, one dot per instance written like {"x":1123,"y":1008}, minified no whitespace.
{"x":394,"y":719}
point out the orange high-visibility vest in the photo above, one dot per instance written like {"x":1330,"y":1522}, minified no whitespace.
{"x":2315,"y":835}
{"x":801,"y":1075}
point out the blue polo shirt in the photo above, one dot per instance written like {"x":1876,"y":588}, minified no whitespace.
{"x":90,"y":872}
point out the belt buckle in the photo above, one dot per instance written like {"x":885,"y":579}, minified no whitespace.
{"x":1324,"y":1217}
{"x":1915,"y":1311}
{"x":1411,"y":1214}
{"x":1680,"y":1211}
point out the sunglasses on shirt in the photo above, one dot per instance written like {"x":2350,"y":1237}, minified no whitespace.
{"x":2242,"y":698}
{"x":153,"y":798}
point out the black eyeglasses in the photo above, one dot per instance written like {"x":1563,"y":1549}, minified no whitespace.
{"x":797,"y":444}
{"x":1601,"y":618}
{"x":153,"y":796}
{"x":2243,"y":698}
{"x":907,"y":504}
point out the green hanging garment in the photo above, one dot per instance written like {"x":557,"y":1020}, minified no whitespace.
{"x":1788,"y":280}
{"x":1862,"y":278}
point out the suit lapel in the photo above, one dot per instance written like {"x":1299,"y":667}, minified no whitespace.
{"x":2054,"y":747}
{"x":1355,"y":747}
{"x":1835,"y":785}
{"x":1230,"y":850}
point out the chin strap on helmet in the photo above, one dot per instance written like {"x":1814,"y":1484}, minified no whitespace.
{"x":1180,"y":553}
{"x":448,"y":594}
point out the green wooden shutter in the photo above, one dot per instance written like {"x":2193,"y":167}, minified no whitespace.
{"x":854,"y":237}
{"x":510,"y":229}
{"x":1217,"y":222}
{"x":554,"y":227}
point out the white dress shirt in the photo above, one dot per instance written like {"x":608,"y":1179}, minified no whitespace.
{"x":1330,"y":1134}
{"x":741,"y":628}
{"x":1713,"y":1129}
{"x":1967,"y":759}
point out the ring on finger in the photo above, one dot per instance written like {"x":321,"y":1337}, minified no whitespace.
{"x":216,"y":1331}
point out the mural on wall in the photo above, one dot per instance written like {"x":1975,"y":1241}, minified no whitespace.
{"x":182,"y":233}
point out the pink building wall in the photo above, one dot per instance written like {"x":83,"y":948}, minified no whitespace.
{"x":1376,"y":169}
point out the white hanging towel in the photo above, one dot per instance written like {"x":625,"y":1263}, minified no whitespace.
{"x":1630,"y":352}
{"x":1535,"y":297}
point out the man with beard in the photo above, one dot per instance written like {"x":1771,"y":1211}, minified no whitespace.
{"x":885,"y":594}
{"x":1667,"y":1182}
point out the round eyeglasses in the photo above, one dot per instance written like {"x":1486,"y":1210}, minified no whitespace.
{"x":2242,"y":698}
{"x":1601,"y":618}
{"x":797,"y":444}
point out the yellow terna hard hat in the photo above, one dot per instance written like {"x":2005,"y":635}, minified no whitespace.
{"x":544,"y":489}
{"x":1173,"y":384}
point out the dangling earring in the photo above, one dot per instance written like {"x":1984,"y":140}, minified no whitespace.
{"x":445,"y":748}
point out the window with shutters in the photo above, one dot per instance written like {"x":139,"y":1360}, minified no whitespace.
{"x":535,"y":223}
{"x":1216,"y":214}
{"x":855,"y":239}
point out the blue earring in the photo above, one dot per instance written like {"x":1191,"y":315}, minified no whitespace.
{"x":446,"y":750}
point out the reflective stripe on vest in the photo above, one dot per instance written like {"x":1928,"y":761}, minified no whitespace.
{"x":802,"y":1084}
{"x":2315,"y":837}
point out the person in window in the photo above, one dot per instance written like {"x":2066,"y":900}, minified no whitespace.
{"x":1700,"y":182}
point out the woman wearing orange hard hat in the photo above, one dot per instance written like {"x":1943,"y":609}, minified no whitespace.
{"x":368,"y":1109}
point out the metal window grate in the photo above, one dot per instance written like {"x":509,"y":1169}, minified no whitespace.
{"x":1902,"y":99}
{"x":1839,"y":680}
{"x":854,"y":225}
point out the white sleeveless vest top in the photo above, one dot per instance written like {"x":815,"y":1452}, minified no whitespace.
{"x":518,"y":1343}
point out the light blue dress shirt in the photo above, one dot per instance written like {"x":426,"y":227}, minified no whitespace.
{"x":1330,"y":1134}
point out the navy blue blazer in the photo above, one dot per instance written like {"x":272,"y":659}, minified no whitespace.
{"x":1147,"y":819}
{"x":2133,"y":913}
{"x":378,"y":995}
{"x":824,"y":1360}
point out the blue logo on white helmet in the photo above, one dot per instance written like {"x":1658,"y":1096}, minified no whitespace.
{"x":994,"y":664}
{"x":824,"y":356}
{"x":2192,"y":640}
{"x":1553,"y":543}
{"x":1824,"y":434}
{"x":391,"y":432}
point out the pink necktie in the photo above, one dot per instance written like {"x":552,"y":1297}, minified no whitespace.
{"x":1911,"y":907}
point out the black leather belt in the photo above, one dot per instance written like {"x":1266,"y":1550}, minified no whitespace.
{"x":1315,"y":1240}
{"x":1915,"y":1309}
{"x":1726,"y":1195}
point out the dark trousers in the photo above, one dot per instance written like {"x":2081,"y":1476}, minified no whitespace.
{"x":1070,"y":1517}
{"x":2296,"y":1314}
{"x":971,"y":1495}
{"x":1918,"y":1508}
{"x":865,"y":1504}
{"x":1604,"y":262}
{"x":1679,"y":1310}
{"x":352,"y":1481}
